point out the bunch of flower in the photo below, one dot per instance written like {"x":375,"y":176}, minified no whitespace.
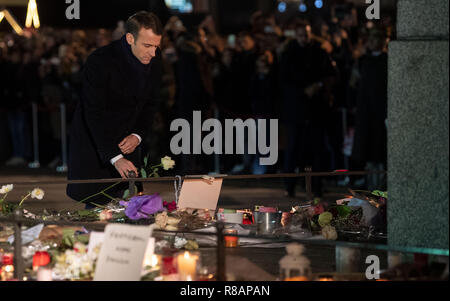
{"x":76,"y":263}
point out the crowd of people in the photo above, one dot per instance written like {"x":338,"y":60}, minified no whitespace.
{"x":324,"y":80}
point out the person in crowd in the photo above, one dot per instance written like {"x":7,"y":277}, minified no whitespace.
{"x":120,"y":82}
{"x":305,"y":70}
{"x":370,"y":145}
{"x":243,"y":67}
{"x":18,"y":99}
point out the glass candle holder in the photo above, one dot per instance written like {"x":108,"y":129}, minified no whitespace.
{"x":187,"y":264}
{"x":231,"y":241}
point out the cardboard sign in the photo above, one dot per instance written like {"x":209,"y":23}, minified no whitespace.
{"x":200,"y":193}
{"x":122,"y":252}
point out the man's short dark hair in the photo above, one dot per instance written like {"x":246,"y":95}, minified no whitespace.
{"x":143,"y":19}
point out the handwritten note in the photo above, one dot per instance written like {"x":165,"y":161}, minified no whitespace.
{"x":122,"y":252}
{"x":200,"y":193}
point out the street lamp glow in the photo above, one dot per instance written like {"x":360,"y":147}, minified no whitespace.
{"x":282,"y":7}
{"x":302,"y":7}
{"x":318,"y":3}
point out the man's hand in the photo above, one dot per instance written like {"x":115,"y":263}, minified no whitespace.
{"x":124,"y":166}
{"x":129,"y":144}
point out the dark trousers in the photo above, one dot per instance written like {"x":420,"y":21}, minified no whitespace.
{"x":306,"y":146}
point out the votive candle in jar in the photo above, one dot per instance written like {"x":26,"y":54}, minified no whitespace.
{"x":231,"y":241}
{"x":187,"y":266}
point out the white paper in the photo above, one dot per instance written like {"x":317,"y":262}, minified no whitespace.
{"x":200,"y":193}
{"x":29,"y":235}
{"x":95,"y":239}
{"x":122,"y":252}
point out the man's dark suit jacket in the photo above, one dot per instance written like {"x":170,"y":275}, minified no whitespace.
{"x":117,"y":99}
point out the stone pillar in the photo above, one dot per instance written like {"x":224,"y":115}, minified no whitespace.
{"x":418,"y":137}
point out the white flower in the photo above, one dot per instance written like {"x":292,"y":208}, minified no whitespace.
{"x":161,"y":219}
{"x":167,"y":163}
{"x":37,"y":193}
{"x":6,"y":188}
{"x":179,"y":242}
{"x":329,"y":232}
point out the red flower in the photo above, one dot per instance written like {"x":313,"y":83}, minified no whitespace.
{"x":318,"y":209}
{"x":172,"y":206}
{"x":40,"y":258}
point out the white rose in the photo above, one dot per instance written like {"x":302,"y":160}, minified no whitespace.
{"x":167,"y":163}
{"x":37,"y":193}
{"x":329,"y":232}
{"x":6,"y":188}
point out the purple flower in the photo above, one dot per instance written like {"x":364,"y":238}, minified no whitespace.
{"x":142,"y":206}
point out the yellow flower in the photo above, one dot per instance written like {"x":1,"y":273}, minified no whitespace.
{"x":37,"y":193}
{"x":167,"y":163}
{"x":325,"y":218}
{"x":6,"y":188}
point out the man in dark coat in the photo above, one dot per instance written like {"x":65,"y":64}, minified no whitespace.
{"x":370,"y":146}
{"x":306,"y":71}
{"x":119,"y":85}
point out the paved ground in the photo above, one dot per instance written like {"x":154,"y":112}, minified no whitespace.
{"x":235,"y":194}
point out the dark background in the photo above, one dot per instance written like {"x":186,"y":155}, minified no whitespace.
{"x":230,"y":15}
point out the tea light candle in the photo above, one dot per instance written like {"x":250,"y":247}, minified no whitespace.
{"x":187,"y":266}
{"x":44,"y":274}
{"x":231,"y":241}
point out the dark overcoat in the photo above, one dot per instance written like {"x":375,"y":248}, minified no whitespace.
{"x":117,"y":99}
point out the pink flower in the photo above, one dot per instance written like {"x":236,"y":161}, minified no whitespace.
{"x":105,"y":215}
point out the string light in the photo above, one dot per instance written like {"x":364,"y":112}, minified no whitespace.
{"x":32,"y":15}
{"x":5,"y":13}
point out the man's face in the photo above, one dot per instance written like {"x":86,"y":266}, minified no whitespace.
{"x":247,"y":43}
{"x":144,"y":47}
{"x":303,"y":35}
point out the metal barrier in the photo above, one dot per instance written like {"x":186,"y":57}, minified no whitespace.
{"x":35,"y":163}
{"x":19,"y":221}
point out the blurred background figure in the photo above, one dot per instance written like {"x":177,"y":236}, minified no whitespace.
{"x":321,"y":72}
{"x":370,"y":150}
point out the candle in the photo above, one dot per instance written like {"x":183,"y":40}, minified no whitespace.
{"x":44,"y":274}
{"x":231,"y":241}
{"x":187,"y":266}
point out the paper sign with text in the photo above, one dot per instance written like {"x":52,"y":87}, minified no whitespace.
{"x":122,"y":252}
{"x":95,"y":239}
{"x":200,"y":193}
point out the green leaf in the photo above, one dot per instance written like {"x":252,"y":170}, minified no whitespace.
{"x":84,"y":212}
{"x":143,"y":173}
{"x":145,"y":161}
{"x":126,"y":194}
{"x":343,"y":210}
{"x":380,"y":193}
{"x":68,"y":237}
{"x":83,"y":238}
